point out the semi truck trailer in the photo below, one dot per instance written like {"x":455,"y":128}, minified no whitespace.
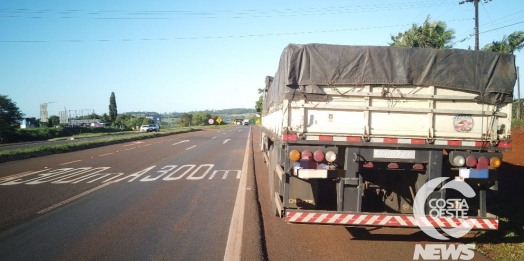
{"x":351,"y":134}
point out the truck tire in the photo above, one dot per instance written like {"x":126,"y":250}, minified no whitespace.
{"x":271,"y":179}
{"x":262,"y":138}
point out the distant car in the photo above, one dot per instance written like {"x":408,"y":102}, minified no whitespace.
{"x":246,"y":123}
{"x":149,"y":127}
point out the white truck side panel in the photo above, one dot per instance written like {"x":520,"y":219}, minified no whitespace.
{"x":404,"y":111}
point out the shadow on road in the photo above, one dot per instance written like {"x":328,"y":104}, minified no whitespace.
{"x":506,"y":203}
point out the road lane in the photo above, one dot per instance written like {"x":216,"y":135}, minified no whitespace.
{"x":167,"y":203}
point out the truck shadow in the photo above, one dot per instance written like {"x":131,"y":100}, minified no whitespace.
{"x":506,"y":203}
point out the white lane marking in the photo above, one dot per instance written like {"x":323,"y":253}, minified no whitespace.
{"x":181,"y":142}
{"x":234,"y":238}
{"x":214,"y":137}
{"x":134,"y":143}
{"x":105,"y":154}
{"x":226,"y":140}
{"x":20,"y":175}
{"x":191,"y":147}
{"x":71,"y":199}
{"x":69,"y":162}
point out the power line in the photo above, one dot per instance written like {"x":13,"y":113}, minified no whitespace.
{"x":502,"y":27}
{"x":214,"y":37}
{"x":173,"y":14}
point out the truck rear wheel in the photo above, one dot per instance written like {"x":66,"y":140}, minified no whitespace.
{"x":271,"y":179}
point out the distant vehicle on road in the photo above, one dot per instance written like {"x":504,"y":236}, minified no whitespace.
{"x":149,"y":127}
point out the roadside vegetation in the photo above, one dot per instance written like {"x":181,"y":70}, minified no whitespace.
{"x":111,"y":138}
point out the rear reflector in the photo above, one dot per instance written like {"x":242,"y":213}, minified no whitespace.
{"x":418,"y":166}
{"x":392,"y":165}
{"x":504,"y":145}
{"x":368,"y":165}
{"x":289,"y":137}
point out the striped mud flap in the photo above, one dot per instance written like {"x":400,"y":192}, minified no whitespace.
{"x":389,"y":220}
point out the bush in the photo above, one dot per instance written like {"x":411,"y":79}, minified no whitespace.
{"x":36,"y":134}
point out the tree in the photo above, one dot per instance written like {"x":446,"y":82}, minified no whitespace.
{"x":258,"y":105}
{"x":10,"y":118}
{"x":104,"y":117}
{"x":508,"y":44}
{"x":112,"y":107}
{"x":54,"y":121}
{"x":185,"y":120}
{"x":200,"y":119}
{"x":429,"y":35}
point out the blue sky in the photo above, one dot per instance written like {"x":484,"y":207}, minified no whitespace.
{"x":179,"y":56}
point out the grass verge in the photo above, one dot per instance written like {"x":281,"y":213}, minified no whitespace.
{"x":37,"y":151}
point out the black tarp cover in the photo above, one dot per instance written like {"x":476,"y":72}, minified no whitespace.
{"x":303,"y":67}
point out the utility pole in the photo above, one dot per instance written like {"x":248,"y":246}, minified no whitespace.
{"x":519,"y":102}
{"x":476,"y":4}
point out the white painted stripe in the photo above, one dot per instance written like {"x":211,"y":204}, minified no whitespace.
{"x":320,"y":218}
{"x":468,"y":143}
{"x":191,"y":147}
{"x":422,"y":222}
{"x":346,"y":219}
{"x":334,"y":218}
{"x":385,"y":220}
{"x":404,"y":141}
{"x":441,"y":142}
{"x":412,"y":220}
{"x":70,"y":162}
{"x":180,"y":142}
{"x":234,"y":238}
{"x":73,"y":198}
{"x":105,"y":154}
{"x":379,"y":140}
{"x":490,"y":225}
{"x":400,"y":220}
{"x":308,"y":217}
{"x":312,"y":137}
{"x":295,"y":217}
{"x":338,"y":138}
{"x":373,"y":219}
{"x":20,"y":175}
{"x":359,"y":219}
{"x":439,"y":222}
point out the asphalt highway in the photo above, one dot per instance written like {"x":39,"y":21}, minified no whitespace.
{"x":170,"y":198}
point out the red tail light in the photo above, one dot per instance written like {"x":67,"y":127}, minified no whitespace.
{"x":471,"y":161}
{"x":318,"y":156}
{"x":483,"y":162}
{"x":307,"y":153}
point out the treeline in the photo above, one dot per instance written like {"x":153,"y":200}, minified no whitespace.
{"x":211,"y":112}
{"x":197,"y":119}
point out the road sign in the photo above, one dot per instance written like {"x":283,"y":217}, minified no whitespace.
{"x":210,"y":121}
{"x":219,"y":120}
